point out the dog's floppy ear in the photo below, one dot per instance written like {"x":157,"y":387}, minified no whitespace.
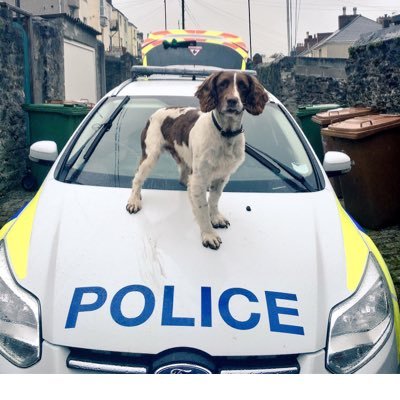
{"x":207,"y":93}
{"x":257,"y":97}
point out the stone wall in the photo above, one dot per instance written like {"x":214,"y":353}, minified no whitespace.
{"x":32,"y":71}
{"x":370,"y":77}
{"x":299,"y":81}
{"x":118,"y":69}
{"x":373,"y":70}
{"x":47,"y":61}
{"x":13,"y":145}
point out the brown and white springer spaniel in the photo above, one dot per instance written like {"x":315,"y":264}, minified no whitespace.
{"x":208,"y":145}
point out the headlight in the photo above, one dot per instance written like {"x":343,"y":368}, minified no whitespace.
{"x":360,"y":325}
{"x":19,"y":319}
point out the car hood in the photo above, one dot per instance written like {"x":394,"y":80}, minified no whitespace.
{"x":143,"y":283}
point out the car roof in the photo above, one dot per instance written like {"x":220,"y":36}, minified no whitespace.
{"x":164,"y":85}
{"x":159,"y":85}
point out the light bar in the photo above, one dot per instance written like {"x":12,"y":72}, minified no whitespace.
{"x":138,"y":70}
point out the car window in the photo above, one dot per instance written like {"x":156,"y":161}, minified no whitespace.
{"x":116,"y":157}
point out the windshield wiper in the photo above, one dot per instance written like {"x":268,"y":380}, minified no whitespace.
{"x":105,"y":127}
{"x":100,"y":133}
{"x":269,"y":161}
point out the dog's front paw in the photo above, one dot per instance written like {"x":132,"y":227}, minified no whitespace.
{"x":219,"y":221}
{"x":134,"y":205}
{"x":211,"y":240}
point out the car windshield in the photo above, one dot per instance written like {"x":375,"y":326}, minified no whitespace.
{"x":115,"y":157}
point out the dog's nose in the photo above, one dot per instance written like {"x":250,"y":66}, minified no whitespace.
{"x":232,"y":101}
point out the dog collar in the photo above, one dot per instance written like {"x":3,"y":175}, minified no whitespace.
{"x":226,"y":134}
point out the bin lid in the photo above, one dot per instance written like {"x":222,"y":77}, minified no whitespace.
{"x":66,"y":109}
{"x":314,"y":109}
{"x":339,"y":114}
{"x":360,"y":127}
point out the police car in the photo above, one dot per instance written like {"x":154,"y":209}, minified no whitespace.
{"x":86,"y":287}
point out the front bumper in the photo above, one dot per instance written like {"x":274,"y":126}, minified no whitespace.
{"x":54,"y":360}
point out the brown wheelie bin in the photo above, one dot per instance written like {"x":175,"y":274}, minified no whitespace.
{"x":332,"y":116}
{"x":371,"y":190}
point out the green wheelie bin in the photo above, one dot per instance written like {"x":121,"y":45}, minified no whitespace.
{"x":310,"y":128}
{"x":54,"y":122}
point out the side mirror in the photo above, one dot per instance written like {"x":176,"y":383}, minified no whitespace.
{"x":44,"y":150}
{"x":336,"y":163}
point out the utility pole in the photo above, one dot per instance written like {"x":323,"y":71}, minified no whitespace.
{"x":165,"y":14}
{"x":251,"y":51}
{"x":183,"y":14}
{"x":288,"y":24}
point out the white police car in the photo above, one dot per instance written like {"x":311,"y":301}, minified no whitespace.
{"x":296,"y":287}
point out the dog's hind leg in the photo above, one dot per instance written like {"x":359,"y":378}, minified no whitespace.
{"x":216,"y":189}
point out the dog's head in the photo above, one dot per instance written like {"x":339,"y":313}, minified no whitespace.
{"x":231,"y":93}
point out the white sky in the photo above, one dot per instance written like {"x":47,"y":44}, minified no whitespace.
{"x":269,"y":28}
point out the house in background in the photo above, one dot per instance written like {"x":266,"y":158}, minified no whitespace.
{"x":80,"y":43}
{"x":117,"y":33}
{"x":310,"y":41}
{"x":337,"y":45}
{"x":133,"y":39}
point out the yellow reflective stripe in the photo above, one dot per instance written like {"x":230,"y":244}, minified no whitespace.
{"x":6,"y":228}
{"x":144,"y":61}
{"x":243,"y":64}
{"x":357,"y":245}
{"x":146,"y":49}
{"x":356,"y":251}
{"x":243,"y":53}
{"x":212,"y":33}
{"x":389,"y":280}
{"x":18,"y":239}
{"x":397,"y":326}
{"x":212,"y":40}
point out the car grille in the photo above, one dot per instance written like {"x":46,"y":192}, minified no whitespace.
{"x":114,"y":362}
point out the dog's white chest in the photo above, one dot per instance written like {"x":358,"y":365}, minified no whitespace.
{"x":227,"y":157}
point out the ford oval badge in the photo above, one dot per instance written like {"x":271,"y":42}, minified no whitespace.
{"x":182,"y":368}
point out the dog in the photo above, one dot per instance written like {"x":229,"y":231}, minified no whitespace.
{"x":207,"y":144}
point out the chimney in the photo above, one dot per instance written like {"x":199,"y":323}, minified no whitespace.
{"x":384,"y":21}
{"x":345,"y":19}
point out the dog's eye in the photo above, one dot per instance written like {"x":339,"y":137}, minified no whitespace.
{"x":223,"y":84}
{"x":242,"y":86}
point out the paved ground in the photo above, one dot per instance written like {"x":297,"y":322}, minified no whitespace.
{"x":387,"y":240}
{"x":12,"y":202}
